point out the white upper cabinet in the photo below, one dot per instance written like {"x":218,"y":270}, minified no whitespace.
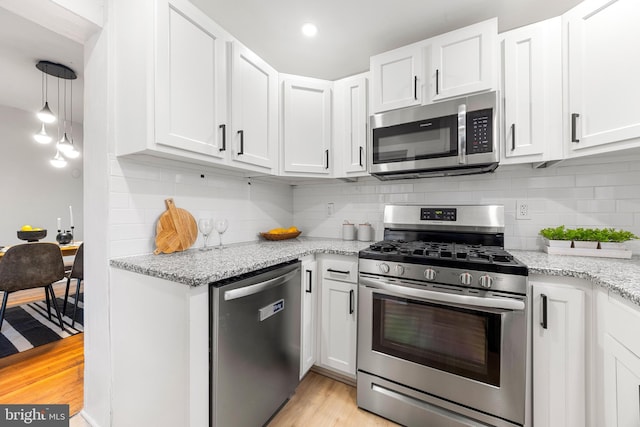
{"x":351,"y":126}
{"x":254,"y":110}
{"x":602,"y":64}
{"x":531,"y":93}
{"x":396,"y":78}
{"x":169,"y":79}
{"x":462,"y":61}
{"x":190,"y":87}
{"x":306,"y":126}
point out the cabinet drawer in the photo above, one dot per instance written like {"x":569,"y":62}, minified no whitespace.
{"x":344,"y":269}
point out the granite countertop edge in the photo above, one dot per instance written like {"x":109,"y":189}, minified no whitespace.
{"x":196,"y":268}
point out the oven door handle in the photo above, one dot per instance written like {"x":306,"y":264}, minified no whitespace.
{"x":470,"y":301}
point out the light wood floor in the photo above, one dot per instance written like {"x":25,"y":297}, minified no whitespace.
{"x":323,"y":402}
{"x":48,"y":374}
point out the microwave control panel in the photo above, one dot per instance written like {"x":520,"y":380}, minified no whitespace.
{"x":480,"y":131}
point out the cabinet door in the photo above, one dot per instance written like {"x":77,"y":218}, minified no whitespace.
{"x":308,"y":329}
{"x":396,"y":78}
{"x":254,"y":100}
{"x":351,"y":115}
{"x":190,"y":110}
{"x":532,"y":92}
{"x":338,"y":333}
{"x":621,"y":384}
{"x":603,"y":84}
{"x":558,"y":356}
{"x":307,"y":126}
{"x":463,"y":61}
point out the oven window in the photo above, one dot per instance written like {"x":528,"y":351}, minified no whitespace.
{"x":416,"y":141}
{"x":460,"y":341}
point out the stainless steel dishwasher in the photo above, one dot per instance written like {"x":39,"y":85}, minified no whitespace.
{"x":255,"y":345}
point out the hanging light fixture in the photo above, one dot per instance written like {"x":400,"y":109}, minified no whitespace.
{"x":58,"y":161}
{"x":45,"y":114}
{"x":64,"y":146}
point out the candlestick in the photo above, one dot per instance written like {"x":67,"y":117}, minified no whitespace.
{"x":59,"y":224}
{"x":70,"y":216}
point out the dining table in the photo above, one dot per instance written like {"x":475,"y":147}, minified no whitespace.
{"x":67,"y":250}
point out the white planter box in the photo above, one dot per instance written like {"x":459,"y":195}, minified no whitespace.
{"x":559,"y":243}
{"x":613,"y":245}
{"x":602,"y":253}
{"x":585,"y":244}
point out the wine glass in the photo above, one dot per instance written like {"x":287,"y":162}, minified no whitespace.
{"x":221,"y":226}
{"x":205,"y":225}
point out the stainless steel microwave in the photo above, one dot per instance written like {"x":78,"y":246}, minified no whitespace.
{"x":455,"y":137}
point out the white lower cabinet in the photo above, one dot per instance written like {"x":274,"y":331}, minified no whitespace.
{"x":619,"y":364}
{"x":308,"y":327}
{"x":560,"y":324}
{"x":338,"y":313}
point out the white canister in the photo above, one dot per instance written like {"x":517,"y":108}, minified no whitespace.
{"x":365,"y":232}
{"x":348,"y":232}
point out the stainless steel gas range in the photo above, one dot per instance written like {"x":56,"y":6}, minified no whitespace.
{"x":443,"y":322}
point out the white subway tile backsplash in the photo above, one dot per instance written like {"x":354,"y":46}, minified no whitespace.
{"x":578,"y":193}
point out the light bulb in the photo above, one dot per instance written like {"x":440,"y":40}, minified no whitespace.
{"x":73,"y":153}
{"x":46,"y":115}
{"x":42,"y":137}
{"x":58,"y":161}
{"x":64,"y":144}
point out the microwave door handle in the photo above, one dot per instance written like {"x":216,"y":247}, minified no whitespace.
{"x":465,"y":300}
{"x":462,"y":134}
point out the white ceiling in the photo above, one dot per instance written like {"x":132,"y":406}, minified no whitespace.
{"x":22,"y":44}
{"x":350,"y":31}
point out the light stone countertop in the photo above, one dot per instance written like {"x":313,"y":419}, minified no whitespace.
{"x":195,"y":268}
{"x":621,"y":276}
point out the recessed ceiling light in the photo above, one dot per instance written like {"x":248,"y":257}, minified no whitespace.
{"x":309,"y":29}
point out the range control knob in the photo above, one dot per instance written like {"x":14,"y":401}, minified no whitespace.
{"x":485,"y":281}
{"x":430,"y":274}
{"x":384,"y":267}
{"x":399,"y":270}
{"x":466,"y":278}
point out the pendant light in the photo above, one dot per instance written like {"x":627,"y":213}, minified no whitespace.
{"x":58,"y":161}
{"x":45,"y":114}
{"x":64,"y":146}
{"x":42,"y":137}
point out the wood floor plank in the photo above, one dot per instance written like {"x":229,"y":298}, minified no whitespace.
{"x":48,"y":374}
{"x":323,"y":402}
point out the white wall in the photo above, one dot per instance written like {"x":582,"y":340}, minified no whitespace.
{"x":138,"y":190}
{"x":32,"y":191}
{"x":590,"y":192}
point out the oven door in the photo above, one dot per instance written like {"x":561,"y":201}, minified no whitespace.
{"x":467,"y":349}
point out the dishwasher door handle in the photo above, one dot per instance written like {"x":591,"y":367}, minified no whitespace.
{"x":259,"y":287}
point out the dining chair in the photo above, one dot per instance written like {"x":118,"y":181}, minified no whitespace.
{"x":76,"y":272}
{"x":28,"y":266}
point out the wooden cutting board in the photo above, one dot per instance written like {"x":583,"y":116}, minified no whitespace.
{"x":176,"y":230}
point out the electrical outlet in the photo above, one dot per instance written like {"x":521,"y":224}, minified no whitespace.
{"x":330,"y":209}
{"x":522,"y":209}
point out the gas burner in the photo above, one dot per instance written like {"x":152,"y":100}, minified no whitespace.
{"x":383,"y":246}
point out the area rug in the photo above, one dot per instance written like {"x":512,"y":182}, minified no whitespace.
{"x":28,"y":326}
